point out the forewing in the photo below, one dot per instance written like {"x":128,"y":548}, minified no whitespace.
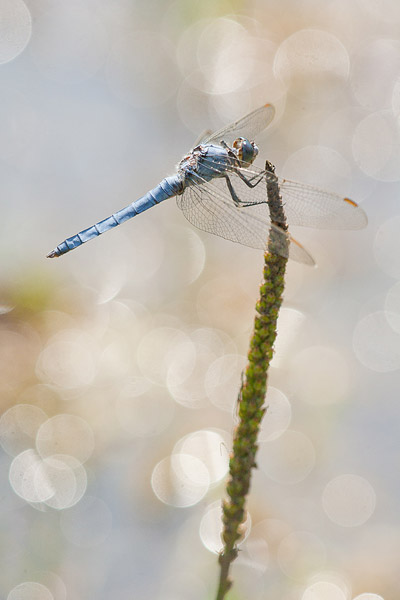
{"x":248,"y":127}
{"x":312,"y":207}
{"x":303,"y":204}
{"x":209,"y":207}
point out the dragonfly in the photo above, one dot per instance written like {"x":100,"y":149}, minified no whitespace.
{"x":220,"y":191}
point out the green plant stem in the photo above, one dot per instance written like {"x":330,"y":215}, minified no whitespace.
{"x":253,"y":388}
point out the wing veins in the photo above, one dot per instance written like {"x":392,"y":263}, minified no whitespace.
{"x":233,"y":223}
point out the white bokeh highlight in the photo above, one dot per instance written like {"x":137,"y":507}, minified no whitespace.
{"x":30,"y":590}
{"x":349,"y":500}
{"x":211,"y":527}
{"x":27,"y":478}
{"x":225,"y":52}
{"x":319,"y":166}
{"x":222,"y":381}
{"x":313,"y":64}
{"x":210,"y":447}
{"x":18,"y":427}
{"x":324,"y":590}
{"x":65,"y":434}
{"x":392,"y":307}
{"x":166,"y":352}
{"x":68,"y":361}
{"x":15,"y":29}
{"x":67,"y":479}
{"x":180,"y":480}
{"x":190,"y":388}
{"x":368,"y":596}
{"x":289,"y":326}
{"x":59,"y":481}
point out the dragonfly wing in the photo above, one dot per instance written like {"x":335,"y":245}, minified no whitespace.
{"x":202,"y":137}
{"x":210,"y":207}
{"x":303,"y":204}
{"x":248,"y":127}
{"x":309,"y":206}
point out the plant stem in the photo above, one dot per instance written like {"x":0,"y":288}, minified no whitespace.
{"x":254,"y":385}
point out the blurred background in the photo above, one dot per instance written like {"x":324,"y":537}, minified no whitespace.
{"x":120,"y":362}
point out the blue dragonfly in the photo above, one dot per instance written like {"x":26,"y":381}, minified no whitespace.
{"x":221,"y":191}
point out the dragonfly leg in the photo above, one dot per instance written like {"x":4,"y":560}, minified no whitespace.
{"x":232,"y":192}
{"x":268,"y":174}
{"x":237,"y":201}
{"x":249,"y":181}
{"x":230,"y":152}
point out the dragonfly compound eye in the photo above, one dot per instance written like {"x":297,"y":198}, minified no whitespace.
{"x":246,"y":151}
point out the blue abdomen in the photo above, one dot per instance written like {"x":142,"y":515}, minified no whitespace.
{"x":169,"y":187}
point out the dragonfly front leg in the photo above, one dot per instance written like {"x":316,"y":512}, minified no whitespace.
{"x":249,"y":181}
{"x":268,"y":174}
{"x":253,"y":181}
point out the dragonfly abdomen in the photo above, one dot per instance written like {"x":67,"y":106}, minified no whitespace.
{"x":167,"y":188}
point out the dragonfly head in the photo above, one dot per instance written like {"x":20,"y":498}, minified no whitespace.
{"x":246,"y":151}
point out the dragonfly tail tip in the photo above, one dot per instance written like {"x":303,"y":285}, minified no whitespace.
{"x":53,"y":254}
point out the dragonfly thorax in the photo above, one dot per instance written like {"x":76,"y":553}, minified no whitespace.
{"x":246,"y":151}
